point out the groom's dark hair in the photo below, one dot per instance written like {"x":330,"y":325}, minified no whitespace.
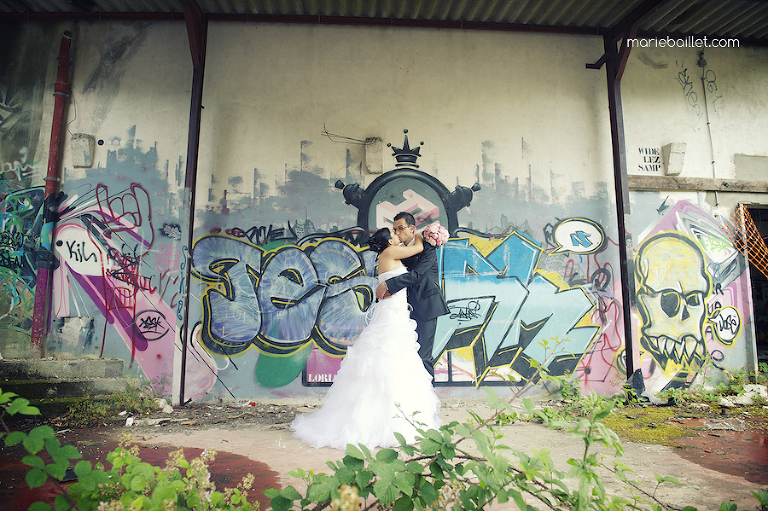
{"x":404,"y":215}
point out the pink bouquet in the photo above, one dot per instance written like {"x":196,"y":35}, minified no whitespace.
{"x":435,"y":234}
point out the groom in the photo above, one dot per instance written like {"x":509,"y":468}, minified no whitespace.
{"x":424,"y":294}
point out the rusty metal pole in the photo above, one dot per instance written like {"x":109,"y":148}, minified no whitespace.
{"x":45,"y":257}
{"x":197,"y":31}
{"x":615,"y":63}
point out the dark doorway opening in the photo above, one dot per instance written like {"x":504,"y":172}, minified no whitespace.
{"x":759,"y":215}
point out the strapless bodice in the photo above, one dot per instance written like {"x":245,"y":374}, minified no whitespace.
{"x":392,"y":273}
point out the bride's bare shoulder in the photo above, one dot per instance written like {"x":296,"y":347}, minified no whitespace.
{"x":389,"y":266}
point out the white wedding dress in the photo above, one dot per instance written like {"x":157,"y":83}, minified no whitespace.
{"x":380,"y":371}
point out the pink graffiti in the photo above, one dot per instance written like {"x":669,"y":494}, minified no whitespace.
{"x":128,"y":212}
{"x":168,"y":258}
{"x":597,"y":370}
{"x":119,"y":233}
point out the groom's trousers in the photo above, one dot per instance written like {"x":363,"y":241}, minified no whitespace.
{"x":426,"y":330}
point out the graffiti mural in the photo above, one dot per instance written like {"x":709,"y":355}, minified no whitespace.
{"x":117,"y":262}
{"x":286,"y":301}
{"x":299,"y":302}
{"x":20,"y":224}
{"x":21,"y":88}
{"x":509,"y":312}
{"x":117,"y":270}
{"x":673,"y":287}
{"x":406,"y":189}
{"x":283,"y":300}
{"x":690,"y":301}
{"x":104,"y":249}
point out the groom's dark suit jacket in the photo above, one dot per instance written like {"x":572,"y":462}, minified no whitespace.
{"x":422,"y":281}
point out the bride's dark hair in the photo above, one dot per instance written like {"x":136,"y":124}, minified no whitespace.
{"x":380,"y":240}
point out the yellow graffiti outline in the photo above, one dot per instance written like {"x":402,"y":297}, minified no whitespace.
{"x":488,"y":246}
{"x":671,"y":369}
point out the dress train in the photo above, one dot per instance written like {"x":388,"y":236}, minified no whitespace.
{"x":380,"y":383}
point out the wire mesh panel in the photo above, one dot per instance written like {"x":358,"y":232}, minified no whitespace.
{"x":746,"y":237}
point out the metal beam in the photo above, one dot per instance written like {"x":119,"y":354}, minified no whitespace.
{"x":623,"y":54}
{"x":197,"y":29}
{"x":628,"y":28}
{"x":599,"y":63}
{"x":696,"y":184}
{"x":344,"y":20}
{"x":301,"y":19}
{"x":614,"y":70}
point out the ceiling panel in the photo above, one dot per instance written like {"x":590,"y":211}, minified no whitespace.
{"x":743,"y":19}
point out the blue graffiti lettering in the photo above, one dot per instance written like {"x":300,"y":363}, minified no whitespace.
{"x":283,"y":299}
{"x":580,"y":238}
{"x":493,"y":311}
{"x":280,"y":300}
{"x":231,"y":310}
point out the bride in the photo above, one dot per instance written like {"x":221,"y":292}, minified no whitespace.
{"x":382,"y":386}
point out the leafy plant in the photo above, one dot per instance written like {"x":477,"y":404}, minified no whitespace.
{"x":129,"y":484}
{"x":710,"y":394}
{"x":133,"y":482}
{"x":37,"y":439}
{"x":762,"y":497}
{"x":465,"y":466}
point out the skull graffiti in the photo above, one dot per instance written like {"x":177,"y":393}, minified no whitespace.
{"x":672,"y":289}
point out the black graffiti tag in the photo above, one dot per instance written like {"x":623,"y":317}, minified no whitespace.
{"x":151,"y":325}
{"x":466,"y":313}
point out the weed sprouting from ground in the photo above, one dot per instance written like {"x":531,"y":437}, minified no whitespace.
{"x":90,"y":411}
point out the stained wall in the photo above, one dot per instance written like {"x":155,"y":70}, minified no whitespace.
{"x":507,"y":145}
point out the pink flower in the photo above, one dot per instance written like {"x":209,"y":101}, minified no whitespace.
{"x":435,"y":234}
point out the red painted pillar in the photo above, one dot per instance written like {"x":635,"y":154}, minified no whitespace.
{"x":45,"y":257}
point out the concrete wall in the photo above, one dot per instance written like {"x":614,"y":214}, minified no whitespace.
{"x":716,"y":110}
{"x":117,"y":239}
{"x":516,"y":114}
{"x":695,"y":316}
{"x":295,"y":169}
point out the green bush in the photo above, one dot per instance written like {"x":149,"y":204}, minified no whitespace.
{"x":130,"y":484}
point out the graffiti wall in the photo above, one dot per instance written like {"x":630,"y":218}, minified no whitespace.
{"x":307,"y":146}
{"x":118,"y":257}
{"x":693,"y":297}
{"x":22,"y":60}
{"x":118,"y":266}
{"x":518,"y":298}
{"x":281,"y":304}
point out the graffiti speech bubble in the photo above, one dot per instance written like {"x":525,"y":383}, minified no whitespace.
{"x":579,"y":236}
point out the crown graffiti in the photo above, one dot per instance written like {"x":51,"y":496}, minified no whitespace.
{"x":406,"y":157}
